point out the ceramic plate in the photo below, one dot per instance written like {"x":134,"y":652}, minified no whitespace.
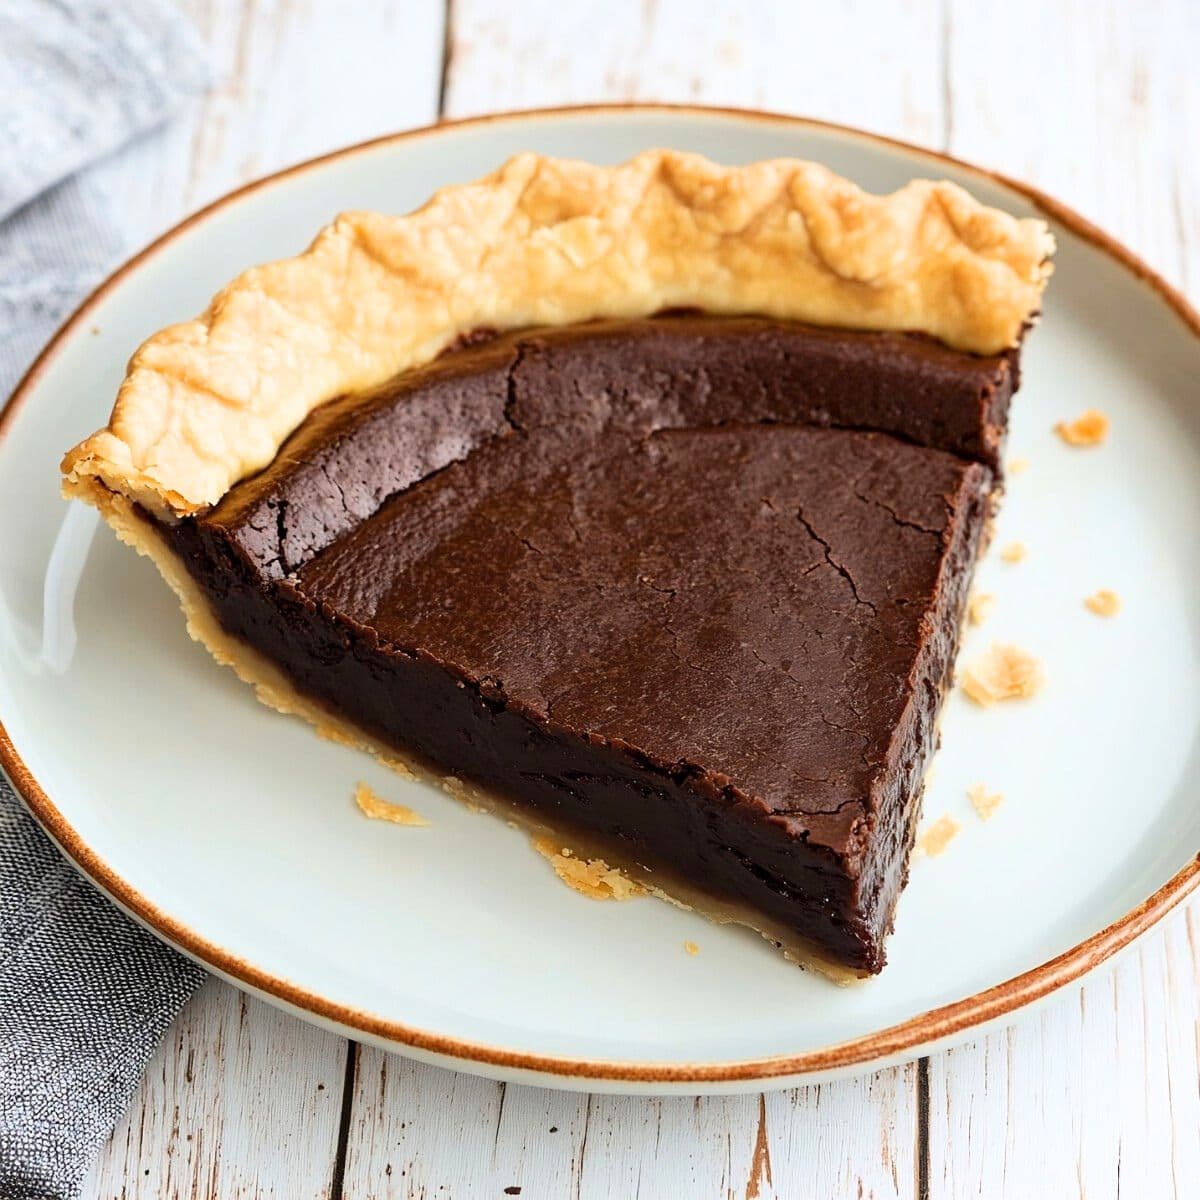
{"x":231,"y":831}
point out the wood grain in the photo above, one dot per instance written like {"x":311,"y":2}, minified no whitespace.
{"x":290,"y":80}
{"x":240,"y":1100}
{"x":1096,"y":1094}
{"x":724,"y":53}
{"x":423,"y":1131}
{"x":809,"y":58}
{"x":243,"y":1100}
{"x":1115,"y":100}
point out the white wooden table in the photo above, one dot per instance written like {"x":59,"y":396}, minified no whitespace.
{"x":1097,"y":1094}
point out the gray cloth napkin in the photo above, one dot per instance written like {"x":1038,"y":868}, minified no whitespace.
{"x":85,"y":993}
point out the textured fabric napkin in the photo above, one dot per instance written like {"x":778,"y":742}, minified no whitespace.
{"x":85,"y":994}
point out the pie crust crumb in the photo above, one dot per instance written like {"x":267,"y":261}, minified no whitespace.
{"x":1018,"y":466}
{"x":1104,"y":603}
{"x":1014,"y":552}
{"x":691,"y":948}
{"x":377,"y":808}
{"x":1090,"y":428}
{"x":984,"y":802}
{"x":980,"y":606}
{"x":938,"y":836}
{"x":1005,"y":672}
{"x":592,"y":877}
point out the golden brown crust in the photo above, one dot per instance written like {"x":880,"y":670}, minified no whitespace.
{"x":545,"y":241}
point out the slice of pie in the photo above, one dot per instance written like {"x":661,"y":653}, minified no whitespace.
{"x":639,"y":502}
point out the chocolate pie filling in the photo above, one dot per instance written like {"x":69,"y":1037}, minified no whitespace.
{"x":691,"y":586}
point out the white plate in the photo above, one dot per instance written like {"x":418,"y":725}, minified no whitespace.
{"x":231,"y":830}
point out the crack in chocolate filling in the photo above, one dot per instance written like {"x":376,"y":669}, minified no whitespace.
{"x":690,"y":585}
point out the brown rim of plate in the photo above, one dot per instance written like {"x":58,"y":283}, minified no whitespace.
{"x":903,"y":1040}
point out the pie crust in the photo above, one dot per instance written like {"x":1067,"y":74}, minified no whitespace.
{"x":545,"y":241}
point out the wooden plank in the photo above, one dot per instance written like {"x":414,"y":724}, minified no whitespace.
{"x":423,"y":1131}
{"x":861,"y":62}
{"x":1095,"y":1096}
{"x":414,"y":1130}
{"x":801,"y":1142}
{"x":420,"y":1131}
{"x":1115,"y":101}
{"x":291,"y":80}
{"x":240,"y":1100}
